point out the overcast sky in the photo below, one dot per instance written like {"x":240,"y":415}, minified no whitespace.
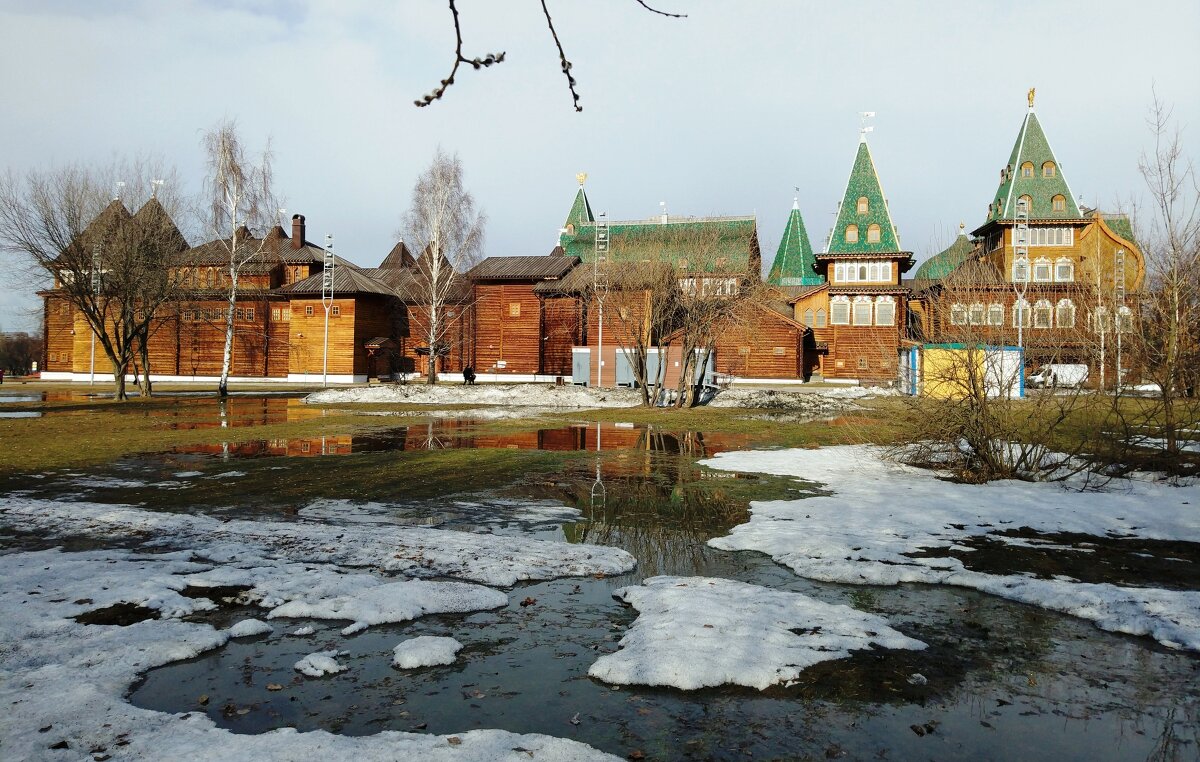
{"x":724,"y":112}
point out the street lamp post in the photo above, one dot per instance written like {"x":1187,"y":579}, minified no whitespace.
{"x":327,"y":303}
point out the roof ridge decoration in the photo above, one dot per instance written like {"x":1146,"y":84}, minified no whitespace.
{"x":794,"y":260}
{"x":1033,"y":147}
{"x":863,"y":183}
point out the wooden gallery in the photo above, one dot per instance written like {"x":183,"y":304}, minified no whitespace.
{"x":593,"y":310}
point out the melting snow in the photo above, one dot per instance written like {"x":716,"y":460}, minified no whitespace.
{"x":425,"y":651}
{"x":882,"y":512}
{"x":701,"y":632}
{"x":249,"y":628}
{"x":321,"y":663}
{"x":546,"y":396}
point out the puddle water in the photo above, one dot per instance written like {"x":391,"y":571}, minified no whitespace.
{"x":1002,"y":680}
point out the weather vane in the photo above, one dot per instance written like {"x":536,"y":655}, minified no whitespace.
{"x":1032,"y":91}
{"x":581,"y":177}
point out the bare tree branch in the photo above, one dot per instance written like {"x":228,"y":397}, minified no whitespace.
{"x":661,"y":13}
{"x":459,"y":58}
{"x":562,"y":58}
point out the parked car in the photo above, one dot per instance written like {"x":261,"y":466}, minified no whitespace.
{"x":1058,"y":374}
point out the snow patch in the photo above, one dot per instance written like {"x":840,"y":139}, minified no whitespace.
{"x":884,"y":512}
{"x":425,"y":651}
{"x":701,"y":632}
{"x":307,"y":629}
{"x":546,"y":396}
{"x":321,"y":663}
{"x":248,"y":628}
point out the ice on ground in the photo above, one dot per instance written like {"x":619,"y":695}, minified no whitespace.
{"x":367,"y":601}
{"x":307,"y":629}
{"x":883,"y":513}
{"x":545,"y":396}
{"x":701,"y":632}
{"x":65,"y":682}
{"x":425,"y":651}
{"x":187,"y":474}
{"x":413,"y":551}
{"x":321,"y":663}
{"x":249,"y":628}
{"x":108,"y":482}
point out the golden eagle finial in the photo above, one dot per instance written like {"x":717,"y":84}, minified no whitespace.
{"x":581,"y":177}
{"x":1032,"y":91}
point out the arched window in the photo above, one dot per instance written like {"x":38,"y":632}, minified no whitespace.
{"x":808,"y":317}
{"x":1059,"y":203}
{"x":1028,"y":202}
{"x":1048,"y":169}
{"x":1027,"y":169}
{"x":862,"y":310}
{"x":1021,"y":313}
{"x":977,"y":313}
{"x":820,"y":319}
{"x":1043,"y":314}
{"x":995,"y":316}
{"x":570,"y":228}
{"x":852,"y":234}
{"x":873,"y":234}
{"x":885,"y":310}
{"x":862,"y":272}
{"x":999,"y":207}
{"x":839,"y":310}
{"x":1064,"y":270}
{"x":1020,"y":270}
{"x":863,"y":205}
{"x":1064,"y":314}
{"x":839,"y":272}
{"x":1100,"y":320}
{"x":958,"y":314}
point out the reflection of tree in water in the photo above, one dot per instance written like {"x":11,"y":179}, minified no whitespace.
{"x":655,"y":502}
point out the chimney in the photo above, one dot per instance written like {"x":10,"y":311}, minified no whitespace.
{"x":297,"y":231}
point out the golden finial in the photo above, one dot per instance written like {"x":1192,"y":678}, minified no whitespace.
{"x":581,"y":177}
{"x":1032,"y":90}
{"x":962,"y":226}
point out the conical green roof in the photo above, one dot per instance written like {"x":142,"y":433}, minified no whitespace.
{"x":793,"y":265}
{"x":945,"y":262}
{"x":1033,"y":149}
{"x":864,"y":184}
{"x":581,"y":211}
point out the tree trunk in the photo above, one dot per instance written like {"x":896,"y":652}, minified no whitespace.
{"x":227,"y":358}
{"x":119,"y":392}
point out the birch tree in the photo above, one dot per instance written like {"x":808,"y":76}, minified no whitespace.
{"x":241,"y":209}
{"x":446,"y":231}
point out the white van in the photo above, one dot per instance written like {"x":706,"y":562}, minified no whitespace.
{"x":1059,"y":374}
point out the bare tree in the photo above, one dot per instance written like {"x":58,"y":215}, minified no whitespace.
{"x":446,"y":231}
{"x":969,"y":417}
{"x":112,"y":267}
{"x":1169,"y":327}
{"x":241,"y":208}
{"x":18,"y":352}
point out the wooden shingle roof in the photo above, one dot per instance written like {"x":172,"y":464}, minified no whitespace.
{"x":546,"y":267}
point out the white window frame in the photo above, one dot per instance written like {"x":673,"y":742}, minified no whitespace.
{"x":1043,"y":271}
{"x":1059,"y":265}
{"x":880,"y":303}
{"x":868,"y":303}
{"x":958,"y":314}
{"x":995,"y":314}
{"x":850,"y":228}
{"x":1021,"y":313}
{"x":820,"y":318}
{"x":1020,"y":270}
{"x":877,"y":231}
{"x":1051,"y":236}
{"x":977,"y":314}
{"x":1124,"y":319}
{"x":1043,"y":308}
{"x":1064,"y":313}
{"x":836,"y":305}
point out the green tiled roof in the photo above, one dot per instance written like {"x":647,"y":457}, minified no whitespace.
{"x":793,"y":265}
{"x":945,"y":262}
{"x":581,"y":210}
{"x":1032,"y":147}
{"x":702,"y":241}
{"x":1119,"y":224}
{"x":864,"y":183}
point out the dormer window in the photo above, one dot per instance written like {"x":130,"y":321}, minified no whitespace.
{"x":1048,"y":169}
{"x":863,"y":205}
{"x":1059,"y":203}
{"x":1027,"y":169}
{"x":1028,"y":201}
{"x":852,"y":234}
{"x":873,"y":234}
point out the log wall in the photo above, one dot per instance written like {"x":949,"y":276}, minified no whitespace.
{"x":507,"y":328}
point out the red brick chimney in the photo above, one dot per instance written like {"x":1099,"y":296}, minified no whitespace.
{"x":297,"y":231}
